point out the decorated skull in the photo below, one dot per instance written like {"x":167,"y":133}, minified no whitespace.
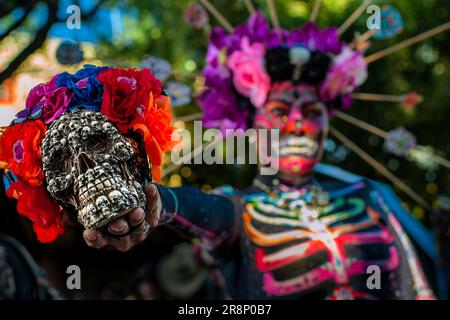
{"x":91,"y":168}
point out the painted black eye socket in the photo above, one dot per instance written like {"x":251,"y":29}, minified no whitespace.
{"x":312,"y":111}
{"x":277,"y":109}
{"x":312,"y":114}
{"x":279,"y":112}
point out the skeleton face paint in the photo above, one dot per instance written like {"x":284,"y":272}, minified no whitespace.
{"x":91,"y":168}
{"x":302,"y":119}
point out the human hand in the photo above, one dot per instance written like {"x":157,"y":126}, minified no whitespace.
{"x":123,"y":240}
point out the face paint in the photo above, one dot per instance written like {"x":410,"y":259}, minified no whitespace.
{"x":303,"y":123}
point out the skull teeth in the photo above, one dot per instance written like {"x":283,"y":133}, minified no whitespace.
{"x":105,"y":204}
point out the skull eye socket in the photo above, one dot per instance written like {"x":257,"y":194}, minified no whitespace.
{"x":97,"y":143}
{"x":58,"y":161}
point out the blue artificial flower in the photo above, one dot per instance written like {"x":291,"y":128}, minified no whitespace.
{"x":87,"y":89}
{"x":160,"y":68}
{"x":180,"y":94}
{"x":34,"y":113}
{"x":400,"y":142}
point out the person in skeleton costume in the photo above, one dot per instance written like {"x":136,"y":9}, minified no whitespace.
{"x":312,"y":230}
{"x":86,"y":140}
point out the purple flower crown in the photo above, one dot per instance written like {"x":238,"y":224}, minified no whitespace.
{"x":237,"y":67}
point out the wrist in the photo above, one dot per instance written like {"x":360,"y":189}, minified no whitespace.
{"x":169,"y":205}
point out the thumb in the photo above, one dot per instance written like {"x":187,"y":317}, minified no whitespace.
{"x":151,"y":191}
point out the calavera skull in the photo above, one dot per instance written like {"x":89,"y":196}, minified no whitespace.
{"x":91,"y":168}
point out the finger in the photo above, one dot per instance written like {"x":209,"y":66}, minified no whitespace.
{"x":118,"y":226}
{"x":123,"y":244}
{"x":94,"y":239}
{"x":153,"y":205}
{"x":151,"y":192}
{"x":141,"y":233}
{"x":153,"y":218}
{"x":135,"y":217}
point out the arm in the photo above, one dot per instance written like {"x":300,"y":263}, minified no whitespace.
{"x":190,"y":212}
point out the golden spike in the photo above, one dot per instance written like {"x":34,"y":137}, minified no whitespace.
{"x":315,"y":11}
{"x":190,"y":117}
{"x":219,"y":17}
{"x":249,"y":6}
{"x":384,"y":134}
{"x":368,"y":34}
{"x":361,"y":124}
{"x":355,"y":15}
{"x":273,"y":14}
{"x":409,"y":42}
{"x":377,"y":97}
{"x":379,"y":167}
{"x":361,"y":42}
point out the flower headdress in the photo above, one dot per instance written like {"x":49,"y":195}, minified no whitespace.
{"x":242,"y":64}
{"x":131,"y":99}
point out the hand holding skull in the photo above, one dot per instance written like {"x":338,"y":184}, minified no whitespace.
{"x":122,"y":226}
{"x":95,"y":171}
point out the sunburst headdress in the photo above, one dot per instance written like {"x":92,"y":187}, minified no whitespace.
{"x":243,"y":61}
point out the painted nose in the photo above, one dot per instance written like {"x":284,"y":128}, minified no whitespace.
{"x":294,"y":124}
{"x":85,"y":162}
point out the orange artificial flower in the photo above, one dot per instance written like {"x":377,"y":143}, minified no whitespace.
{"x":156,"y":129}
{"x":36,"y":204}
{"x":20,"y":150}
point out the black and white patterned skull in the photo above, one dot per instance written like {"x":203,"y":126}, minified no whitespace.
{"x":91,"y":168}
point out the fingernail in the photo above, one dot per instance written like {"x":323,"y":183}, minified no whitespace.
{"x":153,"y":190}
{"x":137,"y":216}
{"x":119,"y":228}
{"x":91,"y":236}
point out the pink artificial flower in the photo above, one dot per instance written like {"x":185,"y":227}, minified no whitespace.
{"x":347,"y":72}
{"x":249,"y":77}
{"x":52,"y":100}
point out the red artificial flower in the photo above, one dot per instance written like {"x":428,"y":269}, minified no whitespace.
{"x":20,"y":149}
{"x":156,"y":129}
{"x":36,"y":204}
{"x":411,"y":99}
{"x":126,"y":94}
